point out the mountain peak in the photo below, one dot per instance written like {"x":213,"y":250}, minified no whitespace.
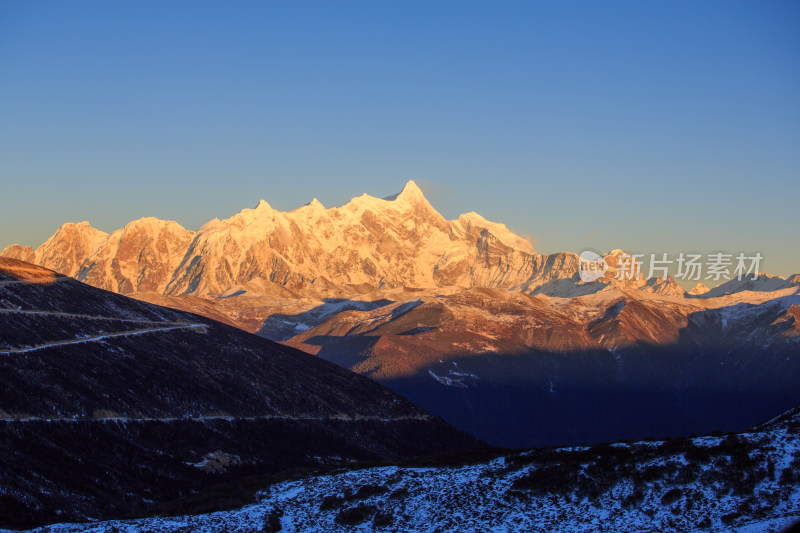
{"x":699,"y":289}
{"x":83,"y":228}
{"x":315,"y":205}
{"x":410,"y":193}
{"x":82,"y":225}
{"x":153,"y":224}
{"x":23,"y":253}
{"x":411,"y":190}
{"x":311,"y":209}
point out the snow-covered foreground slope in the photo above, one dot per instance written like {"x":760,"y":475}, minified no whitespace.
{"x":746,"y":482}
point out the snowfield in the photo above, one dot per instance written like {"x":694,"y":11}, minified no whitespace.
{"x":744,"y":483}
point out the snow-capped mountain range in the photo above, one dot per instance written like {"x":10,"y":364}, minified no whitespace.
{"x":375,"y":242}
{"x":367,"y":244}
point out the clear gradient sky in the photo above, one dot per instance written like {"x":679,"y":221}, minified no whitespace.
{"x":647,"y":126}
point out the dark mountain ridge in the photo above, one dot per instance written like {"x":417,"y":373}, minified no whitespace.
{"x":110,"y":406}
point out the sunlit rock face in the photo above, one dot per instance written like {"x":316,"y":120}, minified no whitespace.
{"x":365,"y":244}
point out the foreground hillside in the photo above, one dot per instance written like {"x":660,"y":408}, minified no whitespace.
{"x":110,"y":406}
{"x":746,"y":482}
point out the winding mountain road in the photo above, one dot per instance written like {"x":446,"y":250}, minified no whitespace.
{"x":161,"y":326}
{"x":90,"y":317}
{"x":96,"y":338}
{"x":33,"y":281}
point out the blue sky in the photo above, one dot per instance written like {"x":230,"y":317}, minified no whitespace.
{"x":653,"y":127}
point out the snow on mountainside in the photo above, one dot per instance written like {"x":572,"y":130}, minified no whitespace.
{"x":138,"y":257}
{"x":744,"y":482}
{"x":764,"y":283}
{"x":698,"y":290}
{"x":367,"y":244}
{"x":65,"y":251}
